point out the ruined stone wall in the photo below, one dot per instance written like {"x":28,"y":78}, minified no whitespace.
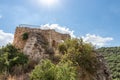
{"x":18,"y":41}
{"x":52,"y":36}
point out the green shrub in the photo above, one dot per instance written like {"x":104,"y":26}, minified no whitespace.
{"x":43,"y":71}
{"x":62,"y":48}
{"x":48,"y":71}
{"x":10,"y":57}
{"x":80,"y":53}
{"x":25,"y":36}
{"x":66,"y":71}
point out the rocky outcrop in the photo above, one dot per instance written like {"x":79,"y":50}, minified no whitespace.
{"x":103,"y":72}
{"x":36,"y":46}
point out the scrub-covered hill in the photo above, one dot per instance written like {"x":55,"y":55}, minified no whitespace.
{"x":112,"y":56}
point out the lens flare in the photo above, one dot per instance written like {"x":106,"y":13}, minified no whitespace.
{"x":49,"y":3}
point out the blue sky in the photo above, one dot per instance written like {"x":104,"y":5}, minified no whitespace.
{"x":97,"y":19}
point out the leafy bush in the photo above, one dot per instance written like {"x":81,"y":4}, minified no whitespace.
{"x":44,"y":71}
{"x":48,"y":71}
{"x":10,"y":57}
{"x":25,"y":36}
{"x":79,"y":53}
{"x":66,"y":71}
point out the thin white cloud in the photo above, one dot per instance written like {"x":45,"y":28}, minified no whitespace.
{"x":97,"y":40}
{"x":58,"y":28}
{"x":5,"y":38}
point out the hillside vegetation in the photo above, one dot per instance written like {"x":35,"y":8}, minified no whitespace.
{"x":12,"y":61}
{"x":77,"y":62}
{"x":112,"y":56}
{"x":73,"y":60}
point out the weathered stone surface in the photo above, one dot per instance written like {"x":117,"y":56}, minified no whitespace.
{"x":35,"y":46}
{"x":103,"y":72}
{"x":51,"y":36}
{"x":38,"y":41}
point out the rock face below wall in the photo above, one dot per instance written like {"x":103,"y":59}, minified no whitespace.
{"x":103,"y":73}
{"x":36,"y":46}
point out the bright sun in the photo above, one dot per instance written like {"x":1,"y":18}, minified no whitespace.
{"x":49,"y":3}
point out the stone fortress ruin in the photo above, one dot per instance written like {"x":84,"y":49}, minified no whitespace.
{"x":38,"y":40}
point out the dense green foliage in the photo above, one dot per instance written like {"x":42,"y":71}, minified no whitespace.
{"x":76,"y":60}
{"x":112,"y":55}
{"x":75,"y":55}
{"x":25,"y":36}
{"x":79,"y":53}
{"x":46,"y":70}
{"x":10,"y":57}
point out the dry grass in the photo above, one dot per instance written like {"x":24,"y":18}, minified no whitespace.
{"x":21,"y":77}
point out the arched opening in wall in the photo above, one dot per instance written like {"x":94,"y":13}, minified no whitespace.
{"x":53,"y":43}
